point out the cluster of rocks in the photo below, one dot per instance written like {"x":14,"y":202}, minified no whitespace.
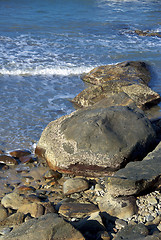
{"x":102,"y":174}
{"x":147,"y":33}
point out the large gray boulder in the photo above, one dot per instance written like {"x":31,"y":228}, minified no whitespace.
{"x":137,"y":177}
{"x":96,"y":141}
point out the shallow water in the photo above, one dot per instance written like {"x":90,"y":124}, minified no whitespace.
{"x":45,"y":46}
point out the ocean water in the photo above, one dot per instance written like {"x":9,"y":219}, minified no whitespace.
{"x":45,"y":46}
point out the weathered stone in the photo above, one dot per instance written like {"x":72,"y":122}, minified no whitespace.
{"x":52,"y":174}
{"x":3,"y":213}
{"x":24,"y":188}
{"x":77,"y":210}
{"x":111,"y":92}
{"x":73,"y":185}
{"x":27,"y":159}
{"x":131,"y":71}
{"x":132,"y":232}
{"x":96,"y":141}
{"x":48,"y":226}
{"x":142,"y":95}
{"x":8,"y":160}
{"x":35,"y":209}
{"x":137,"y":176}
{"x":19,"y":153}
{"x":117,"y":94}
{"x":121,"y":207}
{"x":14,"y":219}
{"x":15,"y":200}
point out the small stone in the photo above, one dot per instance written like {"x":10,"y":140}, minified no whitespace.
{"x":3,"y":213}
{"x":77,"y":210}
{"x":5,"y":230}
{"x":19,"y":153}
{"x":22,"y":168}
{"x":121,"y":207}
{"x":152,"y":200}
{"x":159,"y":227}
{"x":74,"y":185}
{"x":14,"y":219}
{"x":8,"y":160}
{"x":35,"y":209}
{"x":15,"y":200}
{"x":52,"y":174}
{"x":120,"y":223}
{"x":103,"y":235}
{"x":149,"y":218}
{"x":26,"y":159}
{"x":26,"y":188}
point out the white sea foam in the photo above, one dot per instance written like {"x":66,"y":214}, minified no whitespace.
{"x":60,"y":71}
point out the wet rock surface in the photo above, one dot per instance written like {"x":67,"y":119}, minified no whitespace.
{"x":123,"y":201}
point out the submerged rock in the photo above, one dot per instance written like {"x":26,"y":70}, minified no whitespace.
{"x":96,"y":141}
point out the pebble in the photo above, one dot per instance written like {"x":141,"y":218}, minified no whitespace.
{"x":38,"y":191}
{"x":5,"y":159}
{"x":19,"y":153}
{"x":5,"y":230}
{"x":74,"y":185}
{"x":52,"y":174}
{"x":3,"y":213}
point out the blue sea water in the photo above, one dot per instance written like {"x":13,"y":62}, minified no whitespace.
{"x":45,"y":46}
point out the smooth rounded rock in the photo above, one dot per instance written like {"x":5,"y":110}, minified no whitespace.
{"x":96,"y":141}
{"x":3,"y":213}
{"x":19,"y":153}
{"x":77,"y":210}
{"x":121,"y":207}
{"x":74,"y":185}
{"x":8,"y":160}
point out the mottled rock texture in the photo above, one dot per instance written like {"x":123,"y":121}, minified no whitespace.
{"x":96,"y":141}
{"x":137,"y":177}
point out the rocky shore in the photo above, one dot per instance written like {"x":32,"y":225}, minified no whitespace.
{"x":96,"y":173}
